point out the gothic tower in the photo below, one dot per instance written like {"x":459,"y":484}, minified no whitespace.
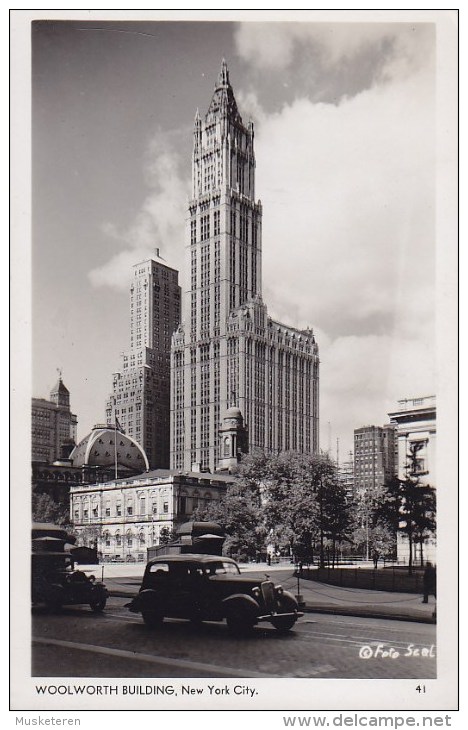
{"x":227,"y":351}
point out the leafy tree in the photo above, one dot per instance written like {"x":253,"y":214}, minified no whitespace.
{"x":46,"y":509}
{"x":409,"y":508}
{"x":335,"y":514}
{"x":290,"y":499}
{"x":167,"y":535}
{"x":238,"y":512}
{"x":373,"y":534}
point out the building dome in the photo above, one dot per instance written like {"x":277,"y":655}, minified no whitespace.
{"x":233,"y":412}
{"x":99,"y":449}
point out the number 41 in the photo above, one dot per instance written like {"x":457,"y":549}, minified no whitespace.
{"x":421,"y":689}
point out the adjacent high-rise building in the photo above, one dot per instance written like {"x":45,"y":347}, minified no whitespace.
{"x":53,"y":425}
{"x":140,"y":401}
{"x":228,"y":352}
{"x":375,"y":459}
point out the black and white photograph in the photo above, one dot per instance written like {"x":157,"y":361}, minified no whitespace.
{"x":234,"y":348}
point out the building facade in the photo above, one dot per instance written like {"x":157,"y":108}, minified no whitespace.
{"x":140,"y":400}
{"x":124,"y":517}
{"x":53,"y":425}
{"x":374,"y":457}
{"x":228,"y":352}
{"x":415,"y":424}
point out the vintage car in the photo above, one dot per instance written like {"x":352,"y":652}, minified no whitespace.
{"x":56,"y":583}
{"x":211,"y":588}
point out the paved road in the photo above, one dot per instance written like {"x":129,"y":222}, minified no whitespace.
{"x":117,"y":644}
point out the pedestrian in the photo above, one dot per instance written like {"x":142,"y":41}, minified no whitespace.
{"x":429,"y":582}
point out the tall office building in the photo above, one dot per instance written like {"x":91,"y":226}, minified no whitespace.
{"x":228,"y":353}
{"x":53,"y":425}
{"x":140,"y":401}
{"x":374,"y":457}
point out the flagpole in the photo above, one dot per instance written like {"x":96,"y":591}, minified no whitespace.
{"x":115,"y":443}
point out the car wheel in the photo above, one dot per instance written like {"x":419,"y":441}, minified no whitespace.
{"x":283,"y":623}
{"x":152,"y":619}
{"x":98,"y":606}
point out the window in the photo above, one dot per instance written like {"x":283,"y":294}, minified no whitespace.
{"x":166,"y":507}
{"x":129,"y":509}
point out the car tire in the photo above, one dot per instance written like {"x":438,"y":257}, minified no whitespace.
{"x":283,"y":623}
{"x":99,"y":605}
{"x":152,"y":619}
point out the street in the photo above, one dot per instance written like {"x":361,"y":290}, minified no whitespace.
{"x":78,"y":643}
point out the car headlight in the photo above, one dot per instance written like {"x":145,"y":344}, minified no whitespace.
{"x":256,"y":591}
{"x":279,"y":590}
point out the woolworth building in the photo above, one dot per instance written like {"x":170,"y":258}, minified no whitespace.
{"x":239,"y":380}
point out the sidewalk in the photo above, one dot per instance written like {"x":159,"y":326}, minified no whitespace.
{"x":124,"y":581}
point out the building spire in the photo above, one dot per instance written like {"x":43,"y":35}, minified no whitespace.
{"x":223,"y":78}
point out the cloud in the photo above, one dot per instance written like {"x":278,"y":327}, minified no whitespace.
{"x":404,"y":47}
{"x":363,"y":377}
{"x":159,"y":223}
{"x":348,"y":210}
{"x":348,"y":236}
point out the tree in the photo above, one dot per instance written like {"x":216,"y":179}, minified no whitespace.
{"x":238,"y":512}
{"x":335,"y":519}
{"x":46,"y":509}
{"x":167,"y":535}
{"x":373,"y":534}
{"x":410,"y":508}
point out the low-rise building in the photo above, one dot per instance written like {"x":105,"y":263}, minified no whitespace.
{"x":124,"y":517}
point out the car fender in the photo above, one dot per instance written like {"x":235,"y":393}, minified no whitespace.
{"x":241,"y":600}
{"x":145,"y":599}
{"x":288,"y":600}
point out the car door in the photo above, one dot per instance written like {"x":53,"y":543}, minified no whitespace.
{"x":181,"y":597}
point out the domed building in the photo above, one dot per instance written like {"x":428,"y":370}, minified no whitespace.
{"x":104,"y":454}
{"x":107,"y":448}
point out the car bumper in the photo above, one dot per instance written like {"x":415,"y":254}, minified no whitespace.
{"x":269,"y":616}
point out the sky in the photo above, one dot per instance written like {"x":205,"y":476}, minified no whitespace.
{"x":345,"y":134}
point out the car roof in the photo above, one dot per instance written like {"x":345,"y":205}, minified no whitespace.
{"x":190,"y":558}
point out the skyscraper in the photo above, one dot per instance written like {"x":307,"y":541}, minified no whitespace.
{"x":228,"y":353}
{"x":53,"y":425}
{"x":374,"y":457}
{"x":140,"y":401}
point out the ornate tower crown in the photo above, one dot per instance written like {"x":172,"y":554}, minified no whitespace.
{"x":223,"y":98}
{"x":223,"y":78}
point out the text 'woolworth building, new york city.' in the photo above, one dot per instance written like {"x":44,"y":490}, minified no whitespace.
{"x":239,"y":380}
